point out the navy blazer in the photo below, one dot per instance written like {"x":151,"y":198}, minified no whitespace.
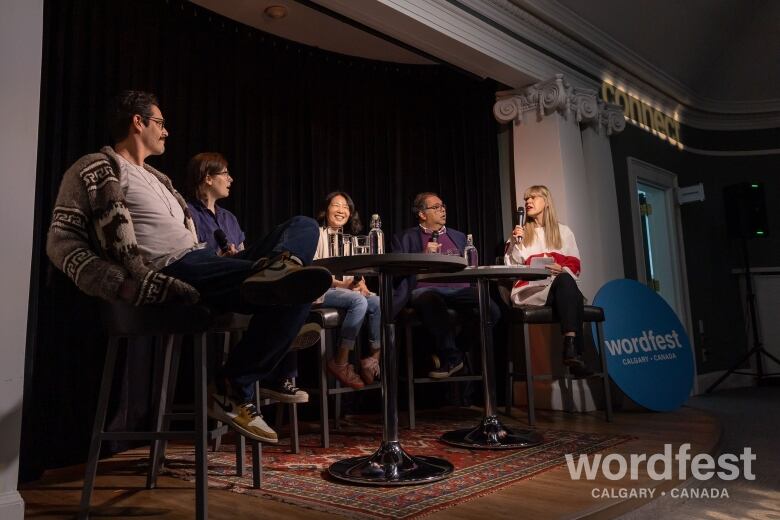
{"x":408,"y":241}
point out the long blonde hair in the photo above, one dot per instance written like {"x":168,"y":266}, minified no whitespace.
{"x":552,"y":232}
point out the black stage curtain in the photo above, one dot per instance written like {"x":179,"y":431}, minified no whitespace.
{"x":295,"y":122}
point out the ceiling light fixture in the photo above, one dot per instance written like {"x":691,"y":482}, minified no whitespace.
{"x":275,"y":12}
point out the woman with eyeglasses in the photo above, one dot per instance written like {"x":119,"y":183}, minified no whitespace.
{"x":208,"y":180}
{"x":543,"y":241}
{"x":349,"y":293}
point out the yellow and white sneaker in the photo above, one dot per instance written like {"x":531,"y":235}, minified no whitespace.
{"x":244,"y":418}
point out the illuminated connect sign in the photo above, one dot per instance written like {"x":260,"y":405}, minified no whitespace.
{"x":643,"y":115}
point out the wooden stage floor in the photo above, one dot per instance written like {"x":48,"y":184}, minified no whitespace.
{"x":120,"y":491}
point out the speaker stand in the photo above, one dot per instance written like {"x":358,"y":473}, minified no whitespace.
{"x":758,"y":348}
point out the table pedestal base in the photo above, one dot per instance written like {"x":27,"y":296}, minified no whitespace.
{"x":492,"y":435}
{"x":390,"y":465}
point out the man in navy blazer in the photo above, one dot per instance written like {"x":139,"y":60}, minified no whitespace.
{"x":432,"y":300}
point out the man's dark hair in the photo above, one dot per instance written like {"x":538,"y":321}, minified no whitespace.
{"x":122,"y":109}
{"x":418,"y":206}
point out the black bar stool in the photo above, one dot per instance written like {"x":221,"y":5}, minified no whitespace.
{"x":230,"y":326}
{"x":408,"y":319}
{"x":122,"y":322}
{"x":543,"y":314}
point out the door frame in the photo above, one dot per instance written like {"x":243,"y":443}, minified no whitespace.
{"x":641,"y":171}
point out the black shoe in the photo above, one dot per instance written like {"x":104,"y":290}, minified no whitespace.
{"x":570,"y":355}
{"x":283,"y":391}
{"x":580,"y":371}
{"x":446,"y":369}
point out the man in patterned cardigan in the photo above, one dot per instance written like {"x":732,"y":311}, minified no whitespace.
{"x":121,"y":232}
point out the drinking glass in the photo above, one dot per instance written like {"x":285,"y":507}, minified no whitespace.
{"x":346,"y":245}
{"x":335,"y":243}
{"x":360,"y":245}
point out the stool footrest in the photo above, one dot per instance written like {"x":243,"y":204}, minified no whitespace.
{"x":455,"y":379}
{"x":146,"y":436}
{"x":179,"y":416}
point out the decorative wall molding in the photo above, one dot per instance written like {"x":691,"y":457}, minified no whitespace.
{"x":556,"y":95}
{"x":622,"y":66}
{"x":628,"y":60}
{"x":506,"y":41}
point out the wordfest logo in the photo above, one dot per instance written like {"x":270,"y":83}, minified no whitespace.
{"x":660,"y":466}
{"x":646,"y":347}
{"x":648,"y":353}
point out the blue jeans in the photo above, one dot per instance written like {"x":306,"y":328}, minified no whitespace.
{"x":357,"y":306}
{"x":432,"y":303}
{"x":272,"y":327}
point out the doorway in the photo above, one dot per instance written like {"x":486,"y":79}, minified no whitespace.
{"x":658,"y":238}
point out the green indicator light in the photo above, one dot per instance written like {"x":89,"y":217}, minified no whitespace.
{"x":759,"y":232}
{"x":754,"y":185}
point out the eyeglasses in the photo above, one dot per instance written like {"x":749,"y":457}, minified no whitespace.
{"x":160,"y":122}
{"x":226,"y":173}
{"x":438,"y":207}
{"x":339,"y":206}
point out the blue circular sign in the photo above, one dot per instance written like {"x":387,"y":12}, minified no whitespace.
{"x":648,"y":353}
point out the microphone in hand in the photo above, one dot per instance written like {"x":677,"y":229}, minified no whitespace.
{"x":520,"y":216}
{"x":222,"y":240}
{"x":519,"y":221}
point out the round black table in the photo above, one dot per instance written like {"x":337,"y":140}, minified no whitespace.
{"x":390,"y":465}
{"x":490,"y":433}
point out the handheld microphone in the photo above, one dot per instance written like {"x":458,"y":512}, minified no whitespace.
{"x":520,"y":214}
{"x":520,"y":218}
{"x":221,"y":239}
{"x":434,"y":237}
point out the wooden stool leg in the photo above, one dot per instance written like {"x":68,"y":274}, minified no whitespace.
{"x":201,"y":433}
{"x":257,"y":464}
{"x":226,"y":342}
{"x":294,"y":439}
{"x":337,"y":409}
{"x":324,"y":430}
{"x":409,"y":374}
{"x":155,"y":450}
{"x":98,"y":426}
{"x":510,"y":371}
{"x":257,"y":461}
{"x":604,"y":372}
{"x":279,"y":420}
{"x":240,"y":454}
{"x":171,"y":393}
{"x":529,"y":376}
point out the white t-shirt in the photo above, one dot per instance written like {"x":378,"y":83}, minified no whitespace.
{"x":158,"y":218}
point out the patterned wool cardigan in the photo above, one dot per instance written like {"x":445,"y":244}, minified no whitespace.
{"x":92,"y":240}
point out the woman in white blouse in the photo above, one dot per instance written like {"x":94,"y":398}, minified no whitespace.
{"x":543,"y":241}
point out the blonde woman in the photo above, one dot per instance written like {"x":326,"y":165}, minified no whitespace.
{"x":545,"y":241}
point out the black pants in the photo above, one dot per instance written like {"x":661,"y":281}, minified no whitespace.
{"x":568,"y":303}
{"x":432,"y":303}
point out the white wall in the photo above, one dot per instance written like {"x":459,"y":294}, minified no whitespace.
{"x":21,"y":34}
{"x":578,"y":171}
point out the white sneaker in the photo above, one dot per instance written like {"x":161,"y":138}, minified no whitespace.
{"x":308,"y":336}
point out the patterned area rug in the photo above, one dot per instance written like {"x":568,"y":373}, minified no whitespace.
{"x":302,"y":479}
